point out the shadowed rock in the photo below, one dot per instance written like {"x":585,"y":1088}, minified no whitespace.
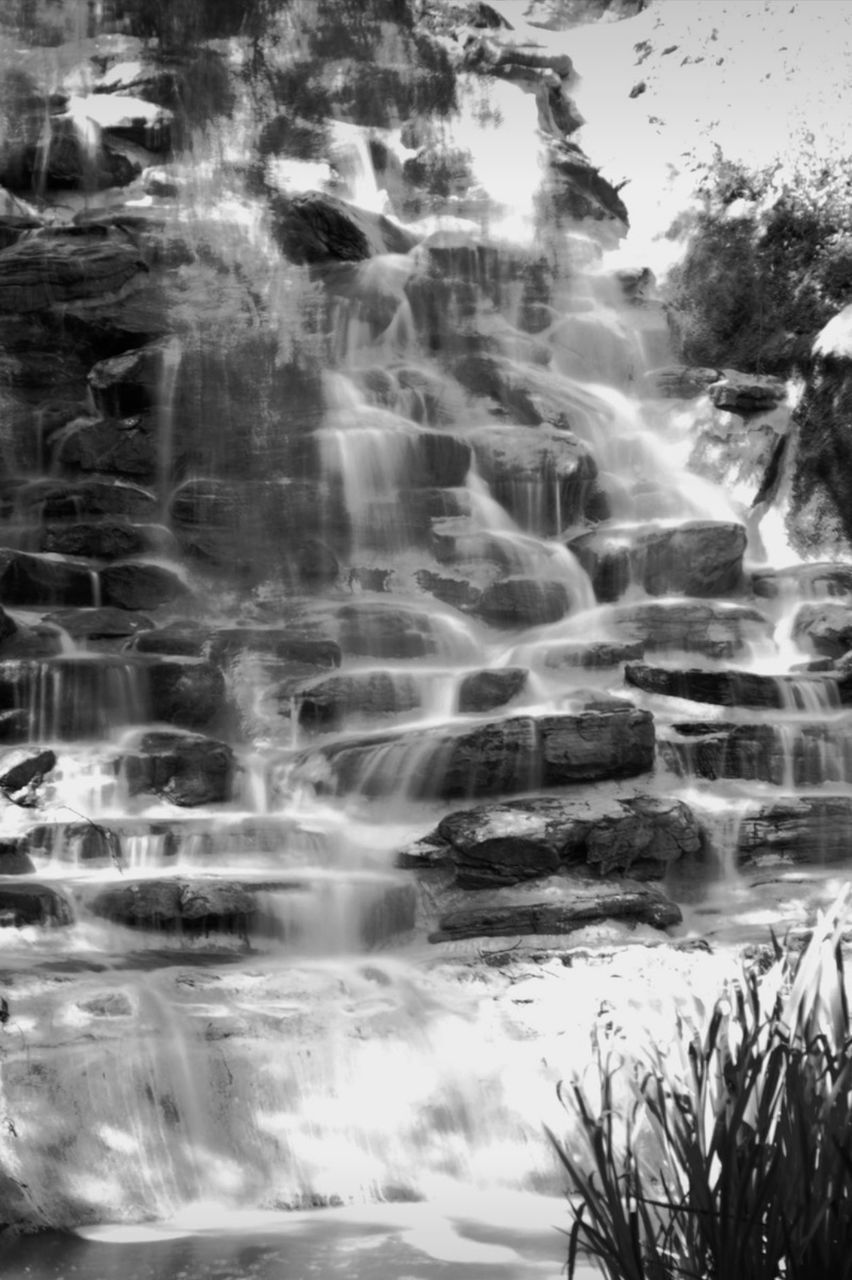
{"x":523,"y":839}
{"x":46,"y":271}
{"x":801,"y":754}
{"x":693,"y":626}
{"x":797,"y":829}
{"x":33,"y":904}
{"x":562,"y":905}
{"x":317,"y":229}
{"x":485,"y":690}
{"x":523,"y":602}
{"x":742,"y":688}
{"x":186,"y":769}
{"x":701,"y":558}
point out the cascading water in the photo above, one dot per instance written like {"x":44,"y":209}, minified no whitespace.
{"x":446,"y":663}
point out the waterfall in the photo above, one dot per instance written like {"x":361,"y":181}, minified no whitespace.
{"x":384,"y":645}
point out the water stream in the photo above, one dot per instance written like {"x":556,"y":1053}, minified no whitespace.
{"x":339,"y":513}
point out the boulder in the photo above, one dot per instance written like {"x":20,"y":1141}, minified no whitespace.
{"x":186,"y":769}
{"x":22,"y":772}
{"x":817,"y":579}
{"x":129,"y":384}
{"x":183,"y":637}
{"x":743,"y":688}
{"x":136,"y":585}
{"x":107,"y":539}
{"x":594,"y":654}
{"x":747,"y":394}
{"x":95,"y":624}
{"x":484,"y":690}
{"x":797,"y":829}
{"x":27,"y":579}
{"x":700,"y":558}
{"x":562,"y":904}
{"x":713,"y":628}
{"x":801,"y":754}
{"x":825,"y":628}
{"x":279,"y":642}
{"x":318,"y":229}
{"x":327,"y":703}
{"x":84,"y":499}
{"x":113,"y":446}
{"x":456,"y":592}
{"x":546,"y":479}
{"x":374,"y":630}
{"x":680,"y":382}
{"x":45,"y":271}
{"x":522,"y":839}
{"x":523,"y":602}
{"x":186,"y":692}
{"x":194,"y":907}
{"x":607,"y":738}
{"x":27,"y":903}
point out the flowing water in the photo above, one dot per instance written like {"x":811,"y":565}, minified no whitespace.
{"x":357,"y":520}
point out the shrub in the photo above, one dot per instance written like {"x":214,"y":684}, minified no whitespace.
{"x":752,"y":1173}
{"x":768,"y":261}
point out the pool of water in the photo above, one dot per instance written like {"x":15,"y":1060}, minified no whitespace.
{"x":517,"y":1240}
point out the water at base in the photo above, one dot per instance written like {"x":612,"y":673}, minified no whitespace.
{"x":461,"y":1241}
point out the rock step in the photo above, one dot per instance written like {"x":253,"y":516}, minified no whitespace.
{"x":714,"y":628}
{"x":142,"y":844}
{"x":325,"y":913}
{"x":324,"y":704}
{"x":816,"y":580}
{"x":744,"y":688}
{"x":637,"y":835}
{"x":796,"y":829}
{"x":697,"y":558}
{"x":68,"y":697}
{"x":336,"y":913}
{"x":607,"y":738}
{"x":796,"y":754}
{"x":560,"y":905}
{"x":28,"y":579}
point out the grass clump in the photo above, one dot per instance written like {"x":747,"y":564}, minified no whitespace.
{"x":736,"y":1163}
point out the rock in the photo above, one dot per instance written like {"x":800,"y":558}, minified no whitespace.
{"x":714,"y":628}
{"x":46,"y":271}
{"x":138,"y":586}
{"x":189,"y":693}
{"x":487,"y":689}
{"x":546,"y":479}
{"x":563,"y":905}
{"x":318,"y":229}
{"x":99,"y":623}
{"x":76,"y":842}
{"x":521,"y":839}
{"x":802,"y":754}
{"x":385,"y":631}
{"x":33,"y":904}
{"x":824,"y":628}
{"x":595,"y":654}
{"x":227,"y":642}
{"x":186,"y":769}
{"x":21,"y":773}
{"x":107,"y":539}
{"x":608,"y":738}
{"x":700,"y":558}
{"x":746,"y":394}
{"x":198,"y":906}
{"x":579,"y":190}
{"x":8,"y":626}
{"x":27,"y":579}
{"x":14,"y":860}
{"x":742,"y":688}
{"x":124,"y":447}
{"x":456,"y":592}
{"x":182,"y":638}
{"x":14,"y":226}
{"x":327,"y":703}
{"x":797,"y":829}
{"x":815,"y":580}
{"x":429,"y":854}
{"x":681,"y":382}
{"x":523,"y":602}
{"x":129,"y":384}
{"x":83,"y":499}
